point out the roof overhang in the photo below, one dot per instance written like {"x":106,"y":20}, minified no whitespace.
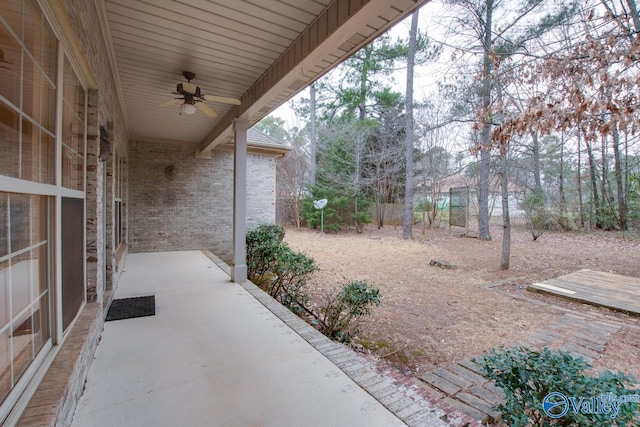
{"x":260,"y":52}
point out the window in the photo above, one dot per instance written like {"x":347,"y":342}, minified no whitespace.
{"x":33,"y":185}
{"x":25,"y":278}
{"x":28,"y":81}
{"x":73,"y":130}
{"x":27,"y":94}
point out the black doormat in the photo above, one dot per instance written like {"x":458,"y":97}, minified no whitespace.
{"x":127,"y":308}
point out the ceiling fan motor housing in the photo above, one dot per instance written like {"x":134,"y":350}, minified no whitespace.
{"x":181,"y":90}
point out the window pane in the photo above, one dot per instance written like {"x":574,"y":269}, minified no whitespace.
{"x":4,"y":293}
{"x":22,"y":344}
{"x":67,"y":125}
{"x":30,"y":151}
{"x":32,"y":22}
{"x":76,"y":131}
{"x":79,"y":173}
{"x":47,"y":158}
{"x":66,"y":167}
{"x":39,"y":227}
{"x":5,"y":365}
{"x":41,"y":323}
{"x":49,"y":53}
{"x":9,"y":141}
{"x":10,"y":66}
{"x":31,"y":89}
{"x":19,"y":213}
{"x":11,"y":10}
{"x":69,"y":83}
{"x":4,"y":225}
{"x":39,"y":273}
{"x":20,"y":282}
{"x":48,"y":107}
{"x":72,"y":150}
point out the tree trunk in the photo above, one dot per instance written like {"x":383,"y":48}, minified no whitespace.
{"x":356,"y":185}
{"x":622,"y":202}
{"x":485,"y":135}
{"x":506,"y":221}
{"x":563,"y":200}
{"x":634,"y":14}
{"x":407,"y":220}
{"x":364,"y":73}
{"x":579,"y":179}
{"x":626,"y":167}
{"x":605,"y":184}
{"x":594,"y":185}
{"x":535,"y":160}
{"x":313,"y":135}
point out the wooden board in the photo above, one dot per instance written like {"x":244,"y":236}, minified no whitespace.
{"x":620,"y":293}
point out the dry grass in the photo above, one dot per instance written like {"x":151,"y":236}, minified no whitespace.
{"x":433,"y":317}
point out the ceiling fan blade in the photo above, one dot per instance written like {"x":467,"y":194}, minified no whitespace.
{"x":223,"y":99}
{"x":206,"y":109}
{"x":171,"y":102}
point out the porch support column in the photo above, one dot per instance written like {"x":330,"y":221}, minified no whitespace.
{"x":239,"y":262}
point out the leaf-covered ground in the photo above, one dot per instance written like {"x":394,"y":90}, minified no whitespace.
{"x":433,"y":317}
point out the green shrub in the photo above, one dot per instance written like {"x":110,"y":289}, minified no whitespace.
{"x":342,"y":310}
{"x":290,"y":275}
{"x":527,"y":377}
{"x":263,"y":243}
{"x":276,"y":268}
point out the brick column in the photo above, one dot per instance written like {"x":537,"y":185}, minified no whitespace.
{"x":239,"y":261}
{"x":94,"y":230}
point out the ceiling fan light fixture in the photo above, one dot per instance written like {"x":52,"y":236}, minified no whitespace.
{"x":187,"y":108}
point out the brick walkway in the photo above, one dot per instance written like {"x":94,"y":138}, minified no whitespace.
{"x":462,"y":386}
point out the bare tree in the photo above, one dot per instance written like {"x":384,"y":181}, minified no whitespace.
{"x":292,"y":176}
{"x":595,"y":86}
{"x":407,"y":220}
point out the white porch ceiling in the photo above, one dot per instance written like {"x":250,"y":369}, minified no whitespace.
{"x":260,"y":51}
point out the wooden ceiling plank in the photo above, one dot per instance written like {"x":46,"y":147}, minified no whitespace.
{"x":177,"y":33}
{"x":299,"y":12}
{"x":145,"y":43}
{"x":315,"y":7}
{"x":249,"y":12}
{"x":162,"y":9}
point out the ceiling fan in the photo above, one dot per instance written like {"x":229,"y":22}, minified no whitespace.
{"x":191,"y":98}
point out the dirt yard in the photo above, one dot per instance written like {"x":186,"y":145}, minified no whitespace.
{"x":434,"y":317}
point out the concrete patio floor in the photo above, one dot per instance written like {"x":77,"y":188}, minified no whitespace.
{"x":212,"y":355}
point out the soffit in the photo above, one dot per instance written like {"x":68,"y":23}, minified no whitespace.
{"x":260,"y":51}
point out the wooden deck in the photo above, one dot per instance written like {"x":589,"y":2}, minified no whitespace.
{"x":620,"y":293}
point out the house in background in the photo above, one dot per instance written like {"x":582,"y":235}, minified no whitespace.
{"x":91,"y":168}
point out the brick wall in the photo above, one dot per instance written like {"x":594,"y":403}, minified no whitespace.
{"x":106,"y":107}
{"x":194,"y":208}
